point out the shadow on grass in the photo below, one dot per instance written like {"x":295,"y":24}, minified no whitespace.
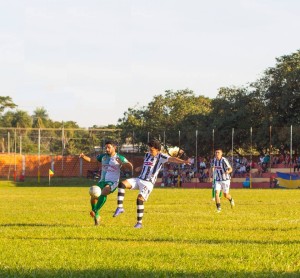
{"x":55,"y":182}
{"x":119,"y":273}
{"x":34,"y":225}
{"x":145,"y":240}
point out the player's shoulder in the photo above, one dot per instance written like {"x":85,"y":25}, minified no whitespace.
{"x":225,"y":159}
{"x":164,"y":155}
{"x":100,"y":156}
{"x":122,"y":157}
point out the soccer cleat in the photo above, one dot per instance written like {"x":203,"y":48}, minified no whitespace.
{"x":118,"y":212}
{"x":232,"y":203}
{"x":218,"y":210}
{"x":138,"y":225}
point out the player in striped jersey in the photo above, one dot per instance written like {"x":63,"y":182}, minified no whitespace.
{"x":222,"y":170}
{"x":153,"y":162}
{"x":110,"y":174}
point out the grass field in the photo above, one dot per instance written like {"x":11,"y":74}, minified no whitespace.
{"x":47,"y":232}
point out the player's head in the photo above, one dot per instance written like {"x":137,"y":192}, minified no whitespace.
{"x":218,"y":152}
{"x":110,"y":147}
{"x":154,"y":143}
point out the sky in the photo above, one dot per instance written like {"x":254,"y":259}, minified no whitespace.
{"x":88,"y":61}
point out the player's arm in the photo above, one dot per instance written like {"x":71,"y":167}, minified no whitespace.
{"x":228,"y":167}
{"x":85,"y":157}
{"x":139,"y":168}
{"x":178,"y":160}
{"x":130,"y":165}
{"x":123,"y":161}
{"x":211,"y":173}
{"x":229,"y":170}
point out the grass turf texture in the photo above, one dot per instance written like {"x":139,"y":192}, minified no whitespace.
{"x":47,"y":232}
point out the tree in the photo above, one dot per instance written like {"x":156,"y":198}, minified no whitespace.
{"x":238,"y":109}
{"x":6,"y":102}
{"x":280,"y":88}
{"x":40,"y":117}
{"x":163,"y":116}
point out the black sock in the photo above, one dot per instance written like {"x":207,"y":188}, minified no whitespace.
{"x":121,"y":194}
{"x":140,"y":210}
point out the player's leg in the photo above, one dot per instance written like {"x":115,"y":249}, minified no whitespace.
{"x":126,"y":184}
{"x":93,"y":201}
{"x":102,"y":198}
{"x":213,"y":193}
{"x":97,"y":203}
{"x":140,"y":211}
{"x":218,"y":188}
{"x":227,"y":194}
{"x":146,"y":188}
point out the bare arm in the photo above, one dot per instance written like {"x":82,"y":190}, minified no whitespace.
{"x":131,"y":166}
{"x":139,"y":168}
{"x":178,"y":160}
{"x":86,"y":158}
{"x":229,"y":170}
{"x":125,"y":163}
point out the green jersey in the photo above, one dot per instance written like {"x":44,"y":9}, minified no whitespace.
{"x":111,"y":167}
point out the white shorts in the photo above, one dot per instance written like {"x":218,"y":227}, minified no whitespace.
{"x":222,"y":185}
{"x":145,"y":187}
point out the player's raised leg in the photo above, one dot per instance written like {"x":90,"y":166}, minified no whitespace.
{"x":94,"y":214}
{"x":95,"y":192}
{"x":99,"y":204}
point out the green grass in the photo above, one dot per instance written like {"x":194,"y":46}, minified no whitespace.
{"x":47,"y":232}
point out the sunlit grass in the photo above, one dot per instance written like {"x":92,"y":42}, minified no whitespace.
{"x":47,"y":232}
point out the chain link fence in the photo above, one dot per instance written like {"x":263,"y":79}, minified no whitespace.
{"x":32,"y":152}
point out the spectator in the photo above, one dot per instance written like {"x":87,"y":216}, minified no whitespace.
{"x":297,"y":164}
{"x":202,"y":165}
{"x":265,"y":163}
{"x":259,"y":170}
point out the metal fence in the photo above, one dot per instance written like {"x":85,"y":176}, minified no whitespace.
{"x":31,"y":152}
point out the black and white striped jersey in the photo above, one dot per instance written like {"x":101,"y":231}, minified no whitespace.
{"x":220,"y":168}
{"x":152,"y":165}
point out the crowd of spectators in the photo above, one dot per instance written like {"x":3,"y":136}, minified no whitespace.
{"x":175,"y":175}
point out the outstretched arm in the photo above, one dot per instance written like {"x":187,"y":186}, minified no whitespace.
{"x":86,"y":158}
{"x":178,"y":160}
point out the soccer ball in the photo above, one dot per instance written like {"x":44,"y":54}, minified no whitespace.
{"x":95,"y":191}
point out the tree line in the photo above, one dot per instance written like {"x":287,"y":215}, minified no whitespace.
{"x":271,"y":104}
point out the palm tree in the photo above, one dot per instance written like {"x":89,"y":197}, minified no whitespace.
{"x":40,"y":117}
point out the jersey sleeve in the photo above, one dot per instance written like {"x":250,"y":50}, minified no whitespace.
{"x":164,"y":157}
{"x":227,"y":163}
{"x":123,"y":158}
{"x":99,"y":157}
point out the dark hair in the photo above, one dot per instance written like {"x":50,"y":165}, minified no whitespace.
{"x":218,"y":149}
{"x":110,"y":142}
{"x":155,"y":144}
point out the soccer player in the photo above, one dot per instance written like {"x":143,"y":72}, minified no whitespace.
{"x":222,"y":169}
{"x":110,"y":174}
{"x":153,"y":162}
